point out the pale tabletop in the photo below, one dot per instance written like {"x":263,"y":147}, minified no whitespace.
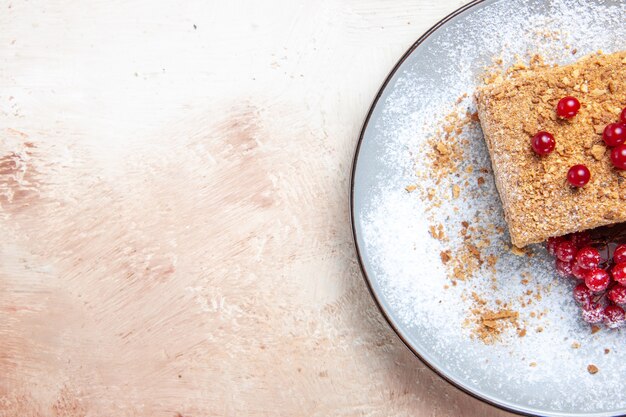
{"x":174,"y":180}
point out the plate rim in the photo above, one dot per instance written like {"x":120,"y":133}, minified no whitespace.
{"x":364,"y":274}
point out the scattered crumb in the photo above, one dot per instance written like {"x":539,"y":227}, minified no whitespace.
{"x":595,"y":329}
{"x":478,"y":299}
{"x":592,"y":369}
{"x":474,"y":250}
{"x":445,"y":256}
{"x":437,"y":232}
{"x":607,"y":351}
{"x":490,"y":324}
{"x":575,"y":345}
{"x":410,"y":188}
{"x":456,"y":191}
{"x":533,"y":364}
{"x":431,"y":193}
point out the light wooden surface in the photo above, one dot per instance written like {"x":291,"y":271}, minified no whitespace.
{"x":174,"y":210}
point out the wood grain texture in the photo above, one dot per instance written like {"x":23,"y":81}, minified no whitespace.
{"x":174,"y":210}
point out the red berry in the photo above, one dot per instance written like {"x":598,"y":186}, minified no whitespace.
{"x":588,"y":258}
{"x":582,"y":294}
{"x":565,"y":251}
{"x":579,"y":175}
{"x":577,"y":271}
{"x":580,"y":239}
{"x":543,"y":143}
{"x":564,"y":268}
{"x":619,"y":273}
{"x":617,"y":294}
{"x":597,"y":280}
{"x":552,"y":243}
{"x":568,"y":107}
{"x":593,"y":313}
{"x":614,"y":134}
{"x":622,"y":117}
{"x":614,"y":316}
{"x":619,"y":255}
{"x":618,"y":157}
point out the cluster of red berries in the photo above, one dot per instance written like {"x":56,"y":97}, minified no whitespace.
{"x":602,"y":292}
{"x":614,"y":135}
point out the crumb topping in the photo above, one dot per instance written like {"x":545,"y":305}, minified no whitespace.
{"x":513,"y":107}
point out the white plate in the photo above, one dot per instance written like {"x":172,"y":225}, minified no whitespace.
{"x":541,"y":373}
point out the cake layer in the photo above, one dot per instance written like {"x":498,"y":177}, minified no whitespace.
{"x":538,"y":202}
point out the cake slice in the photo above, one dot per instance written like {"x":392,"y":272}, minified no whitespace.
{"x":537,"y":199}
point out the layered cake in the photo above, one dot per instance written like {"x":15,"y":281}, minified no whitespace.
{"x":556,"y":137}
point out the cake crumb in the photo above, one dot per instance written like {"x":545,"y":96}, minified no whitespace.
{"x":598,"y":151}
{"x":445,"y":256}
{"x":437,"y":232}
{"x":456,"y":191}
{"x":442,"y":148}
{"x":592,"y":369}
{"x":410,"y":188}
{"x":533,"y":364}
{"x":595,"y":329}
{"x":607,"y":351}
{"x":477,"y":298}
{"x":474,"y":251}
{"x":517,"y":251}
{"x":490,"y":324}
{"x":575,"y":345}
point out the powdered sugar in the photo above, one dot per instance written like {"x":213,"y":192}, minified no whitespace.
{"x":540,"y":371}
